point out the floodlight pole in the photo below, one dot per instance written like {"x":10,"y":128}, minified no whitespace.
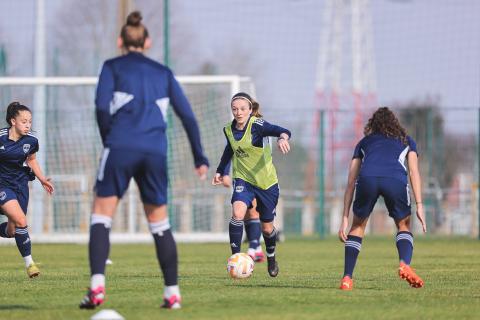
{"x":39,"y":113}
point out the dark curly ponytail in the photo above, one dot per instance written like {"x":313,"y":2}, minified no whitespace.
{"x":385,"y":122}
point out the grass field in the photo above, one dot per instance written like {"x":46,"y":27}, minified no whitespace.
{"x":306,"y":288}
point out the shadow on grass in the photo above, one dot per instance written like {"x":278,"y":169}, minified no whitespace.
{"x":15,"y":307}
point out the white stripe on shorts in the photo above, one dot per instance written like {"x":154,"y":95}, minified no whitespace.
{"x":103,"y":162}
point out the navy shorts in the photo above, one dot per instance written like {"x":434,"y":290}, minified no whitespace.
{"x":20,"y":194}
{"x":117,"y":167}
{"x":394,"y":192}
{"x":266,"y":199}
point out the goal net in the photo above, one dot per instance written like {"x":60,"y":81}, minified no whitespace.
{"x":70,"y":149}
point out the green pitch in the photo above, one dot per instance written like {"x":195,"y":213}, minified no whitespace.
{"x":306,"y":288}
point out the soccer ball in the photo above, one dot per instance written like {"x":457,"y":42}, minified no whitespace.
{"x":240,"y":265}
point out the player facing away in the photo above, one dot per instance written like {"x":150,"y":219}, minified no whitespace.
{"x":252,"y":225}
{"x":18,"y":165}
{"x":132,"y":97}
{"x":379,"y":168}
{"x":254,"y":175}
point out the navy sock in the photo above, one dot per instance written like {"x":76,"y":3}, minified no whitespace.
{"x":270,"y":242}
{"x":405,"y":246}
{"x":166,"y":251}
{"x":235,"y":231}
{"x":3,"y":230}
{"x":353,"y":245}
{"x":253,"y":230}
{"x":22,"y":239}
{"x":99,"y":245}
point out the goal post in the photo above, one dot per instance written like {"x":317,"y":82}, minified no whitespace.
{"x":72,"y":149}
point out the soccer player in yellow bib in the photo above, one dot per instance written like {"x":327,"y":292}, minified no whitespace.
{"x":254,"y":175}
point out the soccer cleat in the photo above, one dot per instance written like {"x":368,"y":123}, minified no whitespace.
{"x":272,"y":266}
{"x":259,"y":256}
{"x":407,"y":273}
{"x":346,"y":284}
{"x":171,"y":303}
{"x":93,"y":298}
{"x":32,"y":270}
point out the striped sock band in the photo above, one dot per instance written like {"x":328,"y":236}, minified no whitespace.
{"x":353,"y":245}
{"x":404,"y":241}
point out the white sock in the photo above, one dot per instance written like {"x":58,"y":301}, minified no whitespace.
{"x":28,"y":260}
{"x":251,"y":252}
{"x":171,"y":291}
{"x":97,"y":280}
{"x":259,"y":249}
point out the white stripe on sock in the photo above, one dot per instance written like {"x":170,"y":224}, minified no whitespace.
{"x":28,"y":260}
{"x":97,"y":280}
{"x":238,"y":223}
{"x":101,"y":219}
{"x":169,"y":291}
{"x":353,"y":244}
{"x":159,"y":227}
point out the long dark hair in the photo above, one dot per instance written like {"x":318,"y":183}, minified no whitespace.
{"x":385,"y":122}
{"x":13,"y":110}
{"x":134,"y":33}
{"x":254,"y":105}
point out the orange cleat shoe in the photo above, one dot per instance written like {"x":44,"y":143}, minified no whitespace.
{"x":407,"y":273}
{"x":347,"y":283}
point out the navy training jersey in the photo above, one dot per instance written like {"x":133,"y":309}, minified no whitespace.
{"x":132,"y":98}
{"x":261,"y":130}
{"x":383,"y":156}
{"x":13,"y":154}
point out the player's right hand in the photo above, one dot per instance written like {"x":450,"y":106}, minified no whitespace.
{"x":421,"y":216}
{"x":217,"y":179}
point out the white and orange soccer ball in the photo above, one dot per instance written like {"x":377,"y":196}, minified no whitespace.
{"x":240,"y":265}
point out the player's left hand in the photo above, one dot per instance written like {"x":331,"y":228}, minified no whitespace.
{"x":202,"y":172}
{"x":283,"y":145}
{"x":342,"y":232}
{"x":47,"y":185}
{"x":227,"y":181}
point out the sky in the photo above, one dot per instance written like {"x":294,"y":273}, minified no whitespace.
{"x":426,"y":49}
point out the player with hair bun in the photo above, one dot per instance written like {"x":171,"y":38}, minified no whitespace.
{"x":379,"y":168}
{"x":18,"y":166}
{"x":254,"y":175}
{"x":132,"y":98}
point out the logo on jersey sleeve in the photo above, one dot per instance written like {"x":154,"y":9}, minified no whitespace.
{"x":26,"y":147}
{"x":240,"y":153}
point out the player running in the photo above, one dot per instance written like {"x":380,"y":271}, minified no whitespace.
{"x":379,"y":168}
{"x":254,"y":175}
{"x":132,"y":98}
{"x":18,"y":166}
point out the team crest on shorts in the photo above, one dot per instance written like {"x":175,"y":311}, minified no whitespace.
{"x":3,"y":195}
{"x":26,"y":147}
{"x":239,"y":189}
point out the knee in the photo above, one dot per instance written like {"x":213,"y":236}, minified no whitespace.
{"x":403,"y":224}
{"x":267,"y":228}
{"x":20,"y":222}
{"x":238,"y":215}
